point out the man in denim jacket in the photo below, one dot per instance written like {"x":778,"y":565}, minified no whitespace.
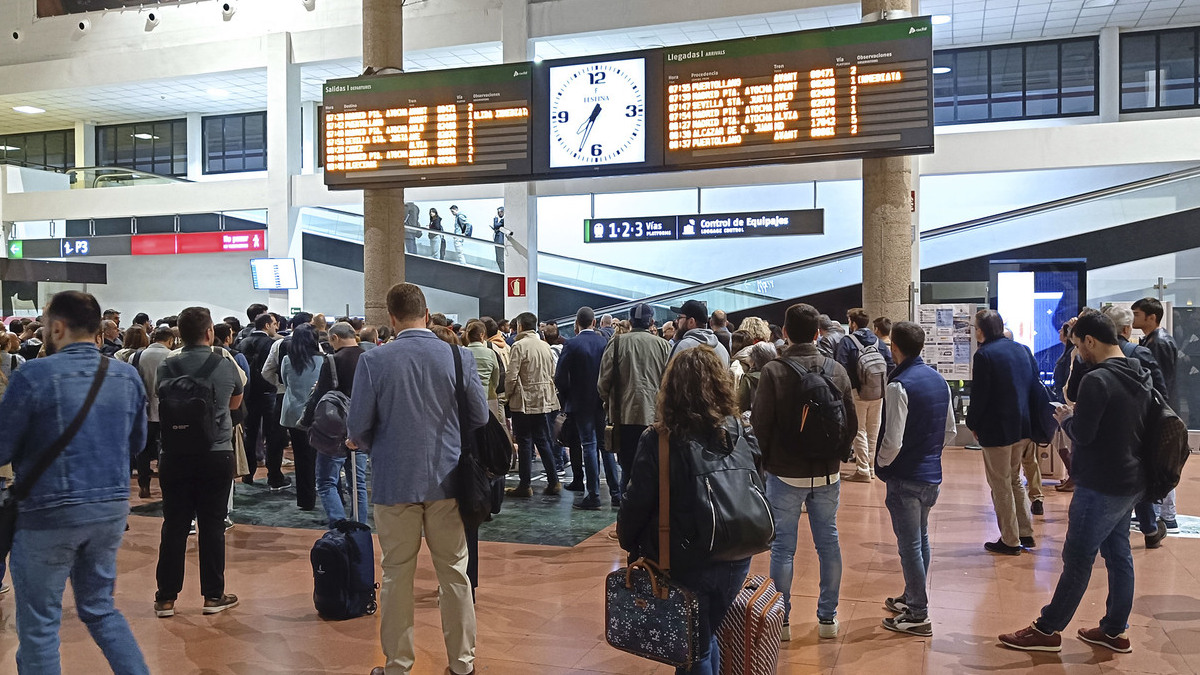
{"x":72,"y":523}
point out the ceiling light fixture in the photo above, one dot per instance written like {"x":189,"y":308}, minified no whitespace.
{"x":145,"y":137}
{"x":1092,"y":4}
{"x":939,"y":19}
{"x":941,"y":70}
{"x":218,"y":93}
{"x":8,"y":148}
{"x":28,"y":109}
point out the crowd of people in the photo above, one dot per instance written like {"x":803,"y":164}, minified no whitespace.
{"x":807,"y":404}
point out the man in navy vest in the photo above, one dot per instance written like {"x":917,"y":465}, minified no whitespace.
{"x":918,"y":421}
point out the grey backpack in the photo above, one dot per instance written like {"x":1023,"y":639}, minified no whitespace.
{"x":872,"y":370}
{"x":327,"y":435}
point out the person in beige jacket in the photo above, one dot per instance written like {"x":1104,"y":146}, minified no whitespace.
{"x":631,"y":371}
{"x":529,"y":383}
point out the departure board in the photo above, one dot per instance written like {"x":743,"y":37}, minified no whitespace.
{"x":855,"y":90}
{"x":463,"y":125}
{"x":862,"y":90}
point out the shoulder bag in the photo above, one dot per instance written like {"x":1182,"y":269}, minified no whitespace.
{"x":645,"y":612}
{"x":474,"y":485}
{"x":19,"y":491}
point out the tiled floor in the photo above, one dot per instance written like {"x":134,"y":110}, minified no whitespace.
{"x":540,"y":607}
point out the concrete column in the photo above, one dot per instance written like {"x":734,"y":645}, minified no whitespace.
{"x":85,"y":144}
{"x":195,"y":146}
{"x":520,"y":251}
{"x":308,"y":135}
{"x":520,"y":206}
{"x":383,"y":210}
{"x":1110,"y":74}
{"x":283,"y":162}
{"x":889,"y":220}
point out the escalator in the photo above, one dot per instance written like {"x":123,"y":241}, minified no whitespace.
{"x":334,"y":237}
{"x":1119,"y":224}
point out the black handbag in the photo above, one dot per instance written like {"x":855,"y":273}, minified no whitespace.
{"x":645,"y":612}
{"x":472,"y":481}
{"x":18,"y":491}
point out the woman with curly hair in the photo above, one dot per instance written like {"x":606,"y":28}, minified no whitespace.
{"x":696,"y":408}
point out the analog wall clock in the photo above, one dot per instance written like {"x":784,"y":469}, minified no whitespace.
{"x":598,"y":113}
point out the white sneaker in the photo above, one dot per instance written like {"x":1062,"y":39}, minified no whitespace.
{"x":786,"y":635}
{"x":827,"y":629}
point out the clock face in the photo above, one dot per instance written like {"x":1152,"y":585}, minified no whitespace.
{"x":598,"y":113}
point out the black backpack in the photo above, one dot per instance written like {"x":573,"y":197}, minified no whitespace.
{"x":327,"y":432}
{"x":343,"y":563}
{"x":731,"y":519}
{"x":1164,"y":448}
{"x":186,"y":410}
{"x":820,"y":427}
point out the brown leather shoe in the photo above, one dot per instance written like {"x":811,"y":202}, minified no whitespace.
{"x":144,"y":492}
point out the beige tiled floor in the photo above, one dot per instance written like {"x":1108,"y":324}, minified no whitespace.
{"x":540,"y":608}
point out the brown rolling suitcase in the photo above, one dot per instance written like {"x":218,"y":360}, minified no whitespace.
{"x":749,"y":635}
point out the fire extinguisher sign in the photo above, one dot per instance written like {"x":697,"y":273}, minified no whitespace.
{"x":516,"y":287}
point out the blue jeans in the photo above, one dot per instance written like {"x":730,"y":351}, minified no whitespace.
{"x":1095,"y":522}
{"x":822,"y":503}
{"x":42,"y":561}
{"x":591,"y":434}
{"x":533,"y":431}
{"x":909,"y":503}
{"x":716,"y":585}
{"x":329,"y":471}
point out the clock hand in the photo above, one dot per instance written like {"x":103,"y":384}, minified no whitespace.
{"x":590,"y":120}
{"x":586,"y":127}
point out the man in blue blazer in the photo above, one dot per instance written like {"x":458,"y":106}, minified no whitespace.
{"x":1004,"y":374}
{"x":576,"y":378}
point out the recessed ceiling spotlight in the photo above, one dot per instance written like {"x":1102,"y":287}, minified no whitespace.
{"x":941,"y":70}
{"x":939,"y":19}
{"x":28,"y":109}
{"x":145,"y":137}
{"x":218,"y":93}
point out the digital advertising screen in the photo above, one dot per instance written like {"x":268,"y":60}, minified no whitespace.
{"x":1035,"y":298}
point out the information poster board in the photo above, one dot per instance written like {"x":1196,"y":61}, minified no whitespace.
{"x":949,"y":338}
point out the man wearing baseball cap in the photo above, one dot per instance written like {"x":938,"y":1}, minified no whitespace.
{"x":691,"y":330}
{"x":631,"y":370}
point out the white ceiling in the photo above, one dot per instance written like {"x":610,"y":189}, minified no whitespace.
{"x":972,"y":22}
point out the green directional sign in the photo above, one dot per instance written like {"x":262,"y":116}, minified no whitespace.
{"x":16,"y":249}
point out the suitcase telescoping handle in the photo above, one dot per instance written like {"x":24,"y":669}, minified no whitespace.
{"x":353,"y":458}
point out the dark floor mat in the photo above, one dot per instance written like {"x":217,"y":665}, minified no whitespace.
{"x":540,"y":520}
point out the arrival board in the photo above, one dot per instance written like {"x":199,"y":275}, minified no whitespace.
{"x":860,"y":89}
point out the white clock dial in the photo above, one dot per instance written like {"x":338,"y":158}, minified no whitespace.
{"x":598,"y":113}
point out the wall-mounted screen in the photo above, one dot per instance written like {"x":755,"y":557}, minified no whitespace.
{"x":428,"y":128}
{"x":1035,"y":298}
{"x":273,"y":274}
{"x":863,"y":90}
{"x":61,"y":7}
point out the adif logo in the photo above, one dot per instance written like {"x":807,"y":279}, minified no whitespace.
{"x":914,"y":29}
{"x":320,"y":569}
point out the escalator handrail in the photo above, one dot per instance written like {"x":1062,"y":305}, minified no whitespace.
{"x":684,"y":282}
{"x":1045,"y":207}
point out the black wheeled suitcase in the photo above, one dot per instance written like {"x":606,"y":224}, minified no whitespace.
{"x":343,"y":562}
